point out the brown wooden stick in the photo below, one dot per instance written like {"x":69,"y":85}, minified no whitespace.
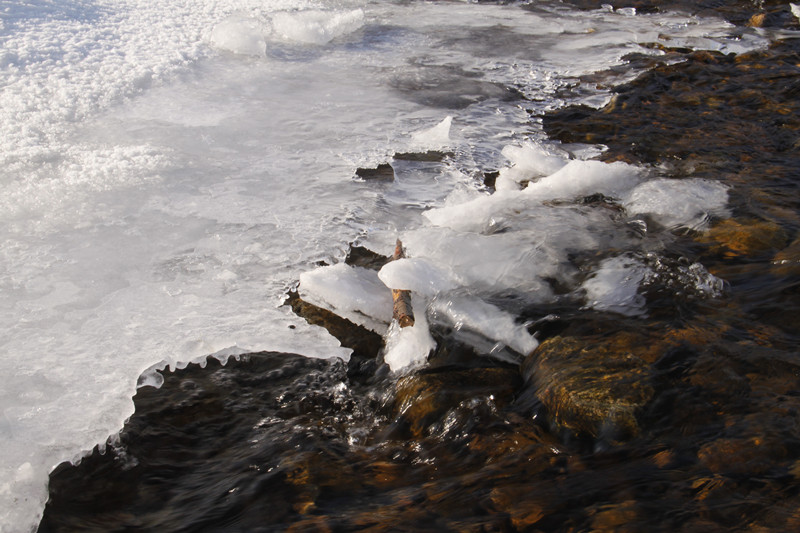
{"x":401,"y":308}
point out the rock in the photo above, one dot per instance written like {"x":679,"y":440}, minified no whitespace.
{"x":787,"y":261}
{"x":772,"y":13}
{"x":525,"y":510}
{"x":424,"y":398}
{"x":383,"y":172}
{"x":364,"y":343}
{"x":365,"y":258}
{"x":312,"y":524}
{"x":732,"y":238}
{"x":747,"y":456}
{"x":619,"y":518}
{"x":431,"y":156}
{"x":589,"y":386}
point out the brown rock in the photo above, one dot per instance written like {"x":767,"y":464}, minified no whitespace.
{"x":747,"y":238}
{"x":521,"y":504}
{"x":620,"y":517}
{"x":365,"y":258}
{"x":741,"y":455}
{"x":787,"y":261}
{"x":423,"y":398}
{"x":364,"y":343}
{"x":313,"y":524}
{"x":589,"y":385}
{"x":664,"y":458}
{"x":499,"y":445}
{"x":757,"y":20}
{"x":384,"y":474}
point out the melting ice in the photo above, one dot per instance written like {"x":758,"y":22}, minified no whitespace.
{"x":169,"y":170}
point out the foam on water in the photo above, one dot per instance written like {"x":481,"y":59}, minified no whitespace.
{"x":170,"y":169}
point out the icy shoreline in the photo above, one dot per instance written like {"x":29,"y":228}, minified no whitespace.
{"x":153,"y":183}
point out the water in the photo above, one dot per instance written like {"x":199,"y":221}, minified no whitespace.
{"x":170,"y":170}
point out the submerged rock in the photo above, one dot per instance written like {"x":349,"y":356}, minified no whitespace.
{"x":787,"y":261}
{"x":749,"y":238}
{"x":591,"y":386}
{"x":423,"y":399}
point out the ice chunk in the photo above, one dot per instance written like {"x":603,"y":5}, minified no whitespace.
{"x":314,"y":26}
{"x":352,"y":292}
{"x":795,"y":10}
{"x":486,"y":319}
{"x":583,"y":178}
{"x":678,"y":203}
{"x":529,"y":161}
{"x":614,"y":286}
{"x":434,"y":138}
{"x":239,"y":35}
{"x":408,"y":347}
{"x":419,"y":275}
{"x":498,"y":262}
{"x":574,"y":180}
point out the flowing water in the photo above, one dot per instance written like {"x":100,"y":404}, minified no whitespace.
{"x":170,"y":172}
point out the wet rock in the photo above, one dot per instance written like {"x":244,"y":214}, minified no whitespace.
{"x":383,"y":172}
{"x":765,"y":13}
{"x":313,"y":524}
{"x":743,"y":456}
{"x":430,"y":156}
{"x":589,"y":386}
{"x":664,"y":458}
{"x":385,"y":474}
{"x":694,"y":114}
{"x":733,"y":238}
{"x":516,"y":439}
{"x":787,"y":261}
{"x":718,"y":376}
{"x":620,"y":518}
{"x":424,"y":398}
{"x":524,"y":508}
{"x":490,"y":178}
{"x":364,"y":342}
{"x":365,"y":258}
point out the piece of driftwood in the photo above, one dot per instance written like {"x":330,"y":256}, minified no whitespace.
{"x":401,"y":309}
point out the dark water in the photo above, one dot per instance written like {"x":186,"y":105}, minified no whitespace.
{"x":685,"y":420}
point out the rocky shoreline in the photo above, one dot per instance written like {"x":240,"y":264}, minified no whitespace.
{"x":684,"y":420}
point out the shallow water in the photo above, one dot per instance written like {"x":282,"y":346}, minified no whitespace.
{"x":171,"y":173}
